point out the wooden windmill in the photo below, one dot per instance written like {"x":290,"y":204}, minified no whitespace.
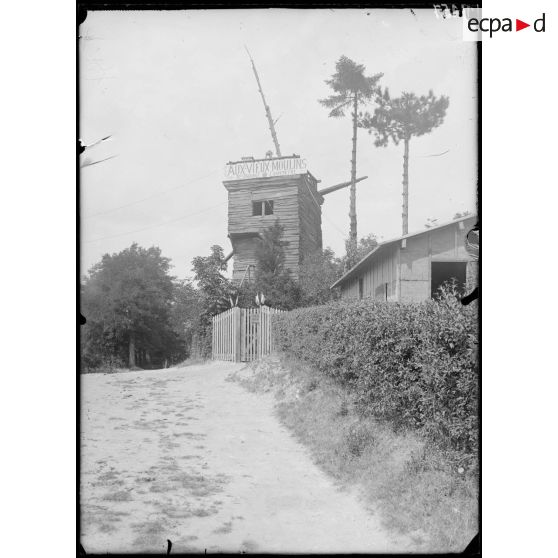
{"x":264,"y":191}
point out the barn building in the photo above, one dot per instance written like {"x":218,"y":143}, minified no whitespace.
{"x":410,"y":268}
{"x":263,"y":191}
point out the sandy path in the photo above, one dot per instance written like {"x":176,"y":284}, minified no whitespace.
{"x":183,"y":454}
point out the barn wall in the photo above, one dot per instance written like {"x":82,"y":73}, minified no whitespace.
{"x":448,"y":244}
{"x":382,"y":270}
{"x":444,"y":244}
{"x":349,"y":289}
{"x":415,"y":269}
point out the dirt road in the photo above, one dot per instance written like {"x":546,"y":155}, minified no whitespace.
{"x":184,"y":454}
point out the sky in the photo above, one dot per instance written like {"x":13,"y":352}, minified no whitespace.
{"x":176,"y":93}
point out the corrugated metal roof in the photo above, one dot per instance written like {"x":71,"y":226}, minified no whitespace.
{"x":370,"y":256}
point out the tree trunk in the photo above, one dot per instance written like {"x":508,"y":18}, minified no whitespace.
{"x":352,"y":211}
{"x":405,"y":214}
{"x":132,"y":351}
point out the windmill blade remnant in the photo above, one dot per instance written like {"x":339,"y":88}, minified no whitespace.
{"x":266,"y":106}
{"x":336,"y":187}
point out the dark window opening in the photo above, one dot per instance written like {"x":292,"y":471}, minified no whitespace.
{"x":256,"y":208}
{"x":268,"y":207}
{"x":443,"y":272}
{"x":360,"y":287}
{"x":262,"y":208}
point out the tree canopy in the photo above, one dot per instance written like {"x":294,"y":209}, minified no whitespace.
{"x":404,"y":117}
{"x":351,"y":88}
{"x":127,"y":301}
{"x":273,"y":279}
{"x":349,"y":81}
{"x":401,"y":119}
{"x":215,"y":288}
{"x":215,"y":292}
{"x":354,"y":254}
{"x":317,"y":273}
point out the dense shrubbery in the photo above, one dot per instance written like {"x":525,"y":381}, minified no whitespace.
{"x":412,"y":364}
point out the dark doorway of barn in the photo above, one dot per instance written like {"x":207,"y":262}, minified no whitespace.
{"x":446,"y":271}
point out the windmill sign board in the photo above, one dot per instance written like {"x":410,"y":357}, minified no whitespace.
{"x":264,"y":168}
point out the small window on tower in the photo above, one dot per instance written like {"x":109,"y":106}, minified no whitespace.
{"x":256,"y":208}
{"x":262,"y":208}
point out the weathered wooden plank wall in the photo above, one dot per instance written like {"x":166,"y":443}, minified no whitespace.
{"x":310,"y":217}
{"x":293,"y":207}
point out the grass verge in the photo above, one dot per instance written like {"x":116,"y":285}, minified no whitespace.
{"x":419,"y":490}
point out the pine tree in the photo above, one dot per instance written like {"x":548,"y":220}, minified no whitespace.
{"x":401,"y":119}
{"x":351,"y":89}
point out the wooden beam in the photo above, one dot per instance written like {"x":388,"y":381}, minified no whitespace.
{"x":335,"y":187}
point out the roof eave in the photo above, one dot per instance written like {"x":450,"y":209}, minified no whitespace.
{"x":356,"y":267}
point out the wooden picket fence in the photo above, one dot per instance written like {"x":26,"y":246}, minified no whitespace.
{"x":243,"y":334}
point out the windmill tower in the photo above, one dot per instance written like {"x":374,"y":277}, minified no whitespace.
{"x":264,"y":191}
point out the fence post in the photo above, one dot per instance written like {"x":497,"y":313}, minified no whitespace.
{"x":236,"y":333}
{"x":213,"y":338}
{"x":260,"y":331}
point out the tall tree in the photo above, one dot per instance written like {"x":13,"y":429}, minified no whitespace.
{"x":354,"y":254}
{"x":317,"y":273}
{"x":351,"y":88}
{"x":186,"y":310}
{"x":215,"y":288}
{"x":127,"y":300}
{"x":401,"y":119}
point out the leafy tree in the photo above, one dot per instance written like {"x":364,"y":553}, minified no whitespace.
{"x":351,"y":88}
{"x":272,"y":277}
{"x":215,"y":291}
{"x":317,"y":273}
{"x":186,"y":310}
{"x":127,"y":300}
{"x":215,"y":288}
{"x":354,"y":254}
{"x":401,"y":119}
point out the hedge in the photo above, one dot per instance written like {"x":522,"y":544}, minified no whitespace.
{"x":414,"y":364}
